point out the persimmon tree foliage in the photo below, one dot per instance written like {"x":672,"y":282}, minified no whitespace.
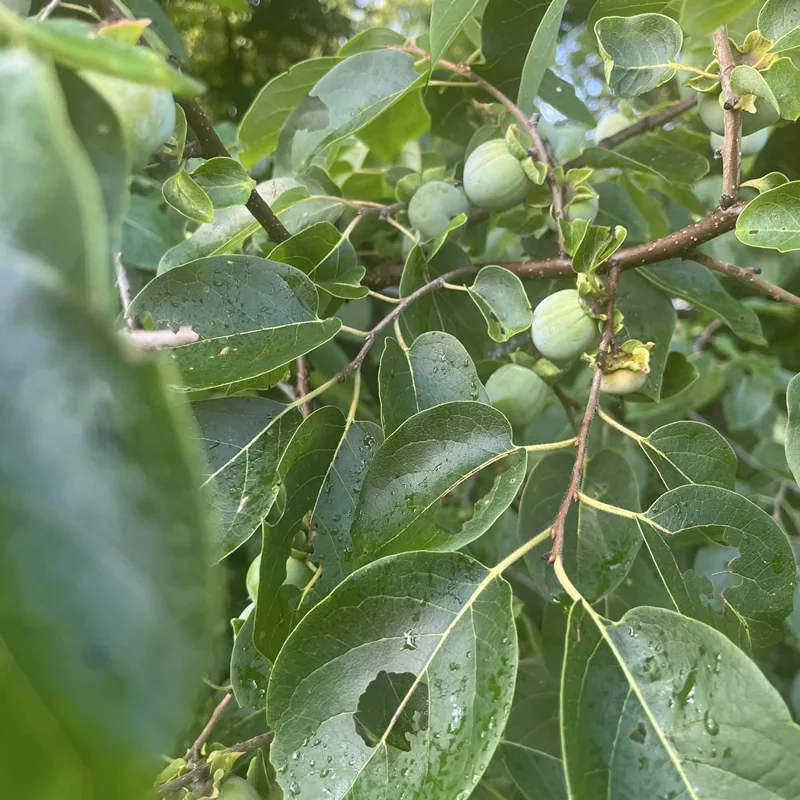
{"x":469,"y":386}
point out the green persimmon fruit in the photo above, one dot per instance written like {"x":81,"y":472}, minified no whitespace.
{"x":253,"y":572}
{"x":434,"y":206}
{"x":622,"y":381}
{"x":146,"y":113}
{"x":610,"y":125}
{"x":518,"y":392}
{"x":751,"y":145}
{"x":235,"y":788}
{"x":562,"y":327}
{"x":493,"y":179}
{"x":713,"y":115}
{"x":297,"y":573}
{"x":585,"y":208}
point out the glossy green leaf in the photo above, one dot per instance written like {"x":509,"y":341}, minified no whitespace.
{"x":702,"y":16}
{"x":638,"y":52}
{"x":541,"y":56}
{"x":772,"y":220}
{"x":700,"y":287}
{"x":630,"y":8}
{"x":302,"y":471}
{"x":262,"y":122}
{"x":344,"y":100}
{"x":249,"y":669}
{"x":562,"y":96}
{"x":440,"y":618}
{"x":36,"y":138}
{"x":252,"y":316}
{"x":597,"y":244}
{"x":783,"y":79}
{"x":436,"y":369}
{"x":779,"y":21}
{"x":371,"y":39}
{"x":648,"y":317}
{"x":748,"y":399}
{"x":76,"y":44}
{"x":599,"y":548}
{"x":428,"y":456}
{"x":647,"y":712}
{"x":244,"y":439}
{"x":447,"y":19}
{"x":765,"y":596}
{"x":688,"y":452}
{"x":327,"y":257}
{"x":108,"y":593}
{"x":148,"y":232}
{"x":667,"y":163}
{"x":403,"y":122}
{"x":501,"y":298}
{"x":225,"y":181}
{"x":187,"y":197}
{"x":793,"y":427}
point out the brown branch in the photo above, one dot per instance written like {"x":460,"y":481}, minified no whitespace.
{"x":674,"y":245}
{"x":706,"y":335}
{"x":732,"y":145}
{"x":646,"y":123}
{"x":302,"y":384}
{"x":203,"y":772}
{"x":557,"y":528}
{"x":213,"y":147}
{"x":193,"y":753}
{"x":747,"y":275}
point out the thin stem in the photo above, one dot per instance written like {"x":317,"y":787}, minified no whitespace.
{"x":395,"y":224}
{"x":456,"y":287}
{"x":398,"y":334}
{"x":385,"y":297}
{"x":354,"y":331}
{"x":732,"y":145}
{"x":706,"y":335}
{"x":352,"y":203}
{"x":351,"y":226}
{"x":212,"y":146}
{"x":351,"y":414}
{"x":193,"y":754}
{"x":586,"y":426}
{"x":694,"y":70}
{"x":125,"y":291}
{"x":609,"y":420}
{"x":48,"y":9}
{"x":609,"y":509}
{"x":747,"y":276}
{"x":457,"y":84}
{"x":302,"y":384}
{"x":314,"y":580}
{"x":541,"y":448}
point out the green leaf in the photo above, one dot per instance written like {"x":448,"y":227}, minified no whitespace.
{"x":541,"y":56}
{"x":232,"y":226}
{"x":441,"y":618}
{"x":649,"y":317}
{"x":746,"y":80}
{"x":599,"y":548}
{"x":161,"y":25}
{"x":344,"y":100}
{"x":424,"y":459}
{"x":327,"y":257}
{"x":772,"y":220}
{"x":765,"y":596}
{"x":597,"y":244}
{"x":108,"y":590}
{"x":783,"y":79}
{"x":702,"y":16}
{"x":561,"y":95}
{"x":779,"y":21}
{"x":667,"y":163}
{"x":436,"y":369}
{"x":770,"y":181}
{"x":187,"y":197}
{"x":249,"y":669}
{"x":225,"y":181}
{"x":148,"y":232}
{"x":447,"y":19}
{"x":646,"y":710}
{"x":748,"y":399}
{"x":244,"y":439}
{"x":691,"y":453}
{"x":37,"y":139}
{"x":638,"y":52}
{"x":403,"y":122}
{"x":302,"y":471}
{"x":371,"y":39}
{"x":262,"y":122}
{"x":630,"y":8}
{"x":700,"y":287}
{"x":252,"y":316}
{"x":793,"y":427}
{"x":77,"y":44}
{"x":501,"y":298}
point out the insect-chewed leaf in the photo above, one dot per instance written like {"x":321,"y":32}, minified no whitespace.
{"x":638,"y":51}
{"x":647,"y":712}
{"x":428,"y":456}
{"x":252,"y":315}
{"x":793,"y":427}
{"x":772,"y":220}
{"x":439,"y":626}
{"x":244,"y":438}
{"x":436,"y":369}
{"x":765,"y":596}
{"x":501,"y":298}
{"x":599,"y":548}
{"x":691,"y":452}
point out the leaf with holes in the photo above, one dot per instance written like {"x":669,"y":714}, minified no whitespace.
{"x":647,"y":712}
{"x":501,"y":298}
{"x":437,"y":628}
{"x":423,"y":460}
{"x":252,"y":316}
{"x":436,"y":369}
